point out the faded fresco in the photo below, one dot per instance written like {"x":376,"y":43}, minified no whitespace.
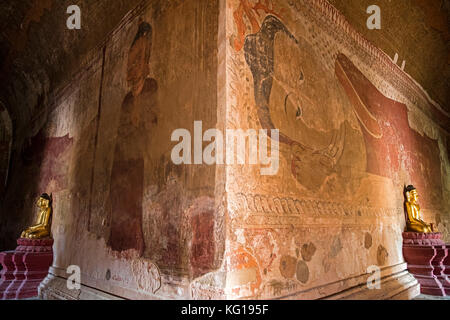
{"x":146,"y":210}
{"x":136,"y":119}
{"x":305,"y":102}
{"x":349,"y":142}
{"x":352,"y":133}
{"x":302,"y":101}
{"x":134,"y":222}
{"x":390,"y":142}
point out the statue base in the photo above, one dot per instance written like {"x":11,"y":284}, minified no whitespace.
{"x":427,"y":258}
{"x":25,"y":268}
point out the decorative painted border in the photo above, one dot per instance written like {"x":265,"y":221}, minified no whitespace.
{"x":287,"y":206}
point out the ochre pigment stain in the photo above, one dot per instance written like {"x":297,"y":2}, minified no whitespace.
{"x":367,"y":240}
{"x":308,"y":251}
{"x":287,"y":266}
{"x":382,"y":255}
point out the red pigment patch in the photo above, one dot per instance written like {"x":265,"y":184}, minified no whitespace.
{"x":203,"y":247}
{"x":50,"y":154}
{"x":171,"y":256}
{"x":126,"y":199}
{"x":399,"y":145}
{"x":170,"y":253}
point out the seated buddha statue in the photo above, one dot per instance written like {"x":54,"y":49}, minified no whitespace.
{"x":42,"y":227}
{"x":414,"y":221}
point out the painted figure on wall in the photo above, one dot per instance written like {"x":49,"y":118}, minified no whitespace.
{"x":390,"y":142}
{"x":309,"y":104}
{"x":289,"y":83}
{"x":136,"y":120}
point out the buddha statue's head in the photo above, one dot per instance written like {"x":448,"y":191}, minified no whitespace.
{"x":411,"y":194}
{"x":138,"y":58}
{"x":44,"y":201}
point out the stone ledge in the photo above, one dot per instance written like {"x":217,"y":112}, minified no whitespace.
{"x":396,"y":284}
{"x":55,"y":288}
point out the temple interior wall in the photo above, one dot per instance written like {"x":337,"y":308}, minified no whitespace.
{"x":354,"y":130}
{"x":335,"y":207}
{"x":133,"y":222}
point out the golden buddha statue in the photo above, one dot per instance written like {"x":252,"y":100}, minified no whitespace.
{"x":414,"y":222}
{"x":44,"y":220}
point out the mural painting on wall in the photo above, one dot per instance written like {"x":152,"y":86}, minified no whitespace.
{"x":291,"y":98}
{"x":154,"y":210}
{"x":51,"y":155}
{"x":341,"y":139}
{"x":309,"y":105}
{"x":390,"y":142}
{"x":136,"y":120}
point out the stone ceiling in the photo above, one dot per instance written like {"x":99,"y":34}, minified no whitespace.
{"x":38,"y":53}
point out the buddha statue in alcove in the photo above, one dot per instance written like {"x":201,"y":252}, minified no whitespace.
{"x":414,"y":222}
{"x":42,"y":228}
